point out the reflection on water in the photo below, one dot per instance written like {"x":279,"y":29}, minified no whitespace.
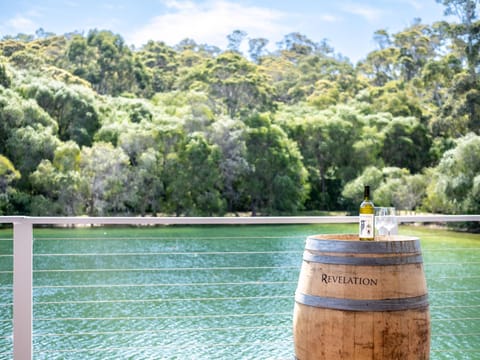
{"x":223,"y":292}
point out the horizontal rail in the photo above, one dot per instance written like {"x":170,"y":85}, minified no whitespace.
{"x":219,"y":220}
{"x":177,"y":220}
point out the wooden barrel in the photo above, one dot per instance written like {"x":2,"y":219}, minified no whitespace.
{"x":361,"y":300}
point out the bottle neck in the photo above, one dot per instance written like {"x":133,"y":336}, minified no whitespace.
{"x":366,"y":193}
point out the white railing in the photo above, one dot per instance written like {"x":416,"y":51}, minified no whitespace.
{"x":23,"y":251}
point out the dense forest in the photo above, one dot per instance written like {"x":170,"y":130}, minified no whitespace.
{"x":91,"y":125}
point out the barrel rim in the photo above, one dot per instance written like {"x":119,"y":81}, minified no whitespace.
{"x":362,"y":261}
{"x":349,"y":243}
{"x":354,"y":237}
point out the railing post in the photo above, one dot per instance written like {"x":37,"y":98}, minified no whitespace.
{"x":22,"y":289}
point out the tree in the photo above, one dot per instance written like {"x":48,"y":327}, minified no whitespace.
{"x":460,"y":113}
{"x":382,"y":38}
{"x":400,"y":189}
{"x":416,"y":46}
{"x":327,"y":77}
{"x":79,"y":54}
{"x":326,"y":141}
{"x":464,"y":102}
{"x":147,"y":183}
{"x":276,"y":180}
{"x":10,"y":46}
{"x":407,"y":144}
{"x":76,"y":115}
{"x":391,"y":187}
{"x":22,"y":119}
{"x":58,"y":183}
{"x":5,"y":79}
{"x":296,"y":70}
{"x":454,"y":186}
{"x":300,"y":121}
{"x":229,"y":135}
{"x":73,"y":108}
{"x":436,"y":77}
{"x":111,"y":68}
{"x":353,"y":190}
{"x":296,"y":44}
{"x":161,"y":66}
{"x":379,"y":66}
{"x":283,"y":76}
{"x":28,"y":146}
{"x":26,"y":59}
{"x":135,"y":140}
{"x":197,"y":184}
{"x":256,"y":48}
{"x":105,"y":173}
{"x":466,"y":11}
{"x":235,"y":40}
{"x":238,"y":83}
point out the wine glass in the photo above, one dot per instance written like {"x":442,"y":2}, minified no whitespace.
{"x":390,"y":220}
{"x":380,"y":221}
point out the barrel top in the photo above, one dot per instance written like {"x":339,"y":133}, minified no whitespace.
{"x":354,"y":237}
{"x":351,"y":243}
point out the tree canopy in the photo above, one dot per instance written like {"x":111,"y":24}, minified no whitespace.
{"x":90,"y":125}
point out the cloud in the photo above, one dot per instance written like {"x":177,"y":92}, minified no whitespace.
{"x":180,"y":5}
{"x":416,"y":4}
{"x":22,"y":24}
{"x":210,"y":22}
{"x":370,"y":14}
{"x":329,"y":18}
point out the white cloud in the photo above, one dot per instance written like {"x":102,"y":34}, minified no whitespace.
{"x":370,"y":14}
{"x":180,"y":5}
{"x":329,"y":18}
{"x":22,"y":24}
{"x":210,"y":22}
{"x":415,"y":4}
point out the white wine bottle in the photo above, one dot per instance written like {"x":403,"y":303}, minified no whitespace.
{"x":366,"y":229}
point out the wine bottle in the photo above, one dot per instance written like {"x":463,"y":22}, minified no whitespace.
{"x":366,"y":229}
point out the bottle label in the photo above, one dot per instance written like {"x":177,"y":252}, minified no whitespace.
{"x":366,"y":226}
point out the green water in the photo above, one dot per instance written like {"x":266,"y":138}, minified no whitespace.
{"x":206,"y":292}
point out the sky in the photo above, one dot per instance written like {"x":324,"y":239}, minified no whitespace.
{"x":347,"y":25}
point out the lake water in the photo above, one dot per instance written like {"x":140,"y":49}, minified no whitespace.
{"x":206,"y":292}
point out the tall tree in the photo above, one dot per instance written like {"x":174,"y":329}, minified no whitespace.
{"x":416,"y":45}
{"x":105,"y":173}
{"x":197,"y":183}
{"x":237,"y":82}
{"x":5,"y":79}
{"x":112,"y":67}
{"x":380,"y":66}
{"x":454,"y":186}
{"x":407,"y":144}
{"x":277,"y":179}
{"x":229,"y":135}
{"x":72,"y":107}
{"x":58,"y":183}
{"x":161,"y":63}
{"x":467,"y":13}
{"x":235,"y":40}
{"x":325,"y":139}
{"x":148,"y":195}
{"x":256,"y":48}
{"x":79,"y":54}
{"x":296,"y":44}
